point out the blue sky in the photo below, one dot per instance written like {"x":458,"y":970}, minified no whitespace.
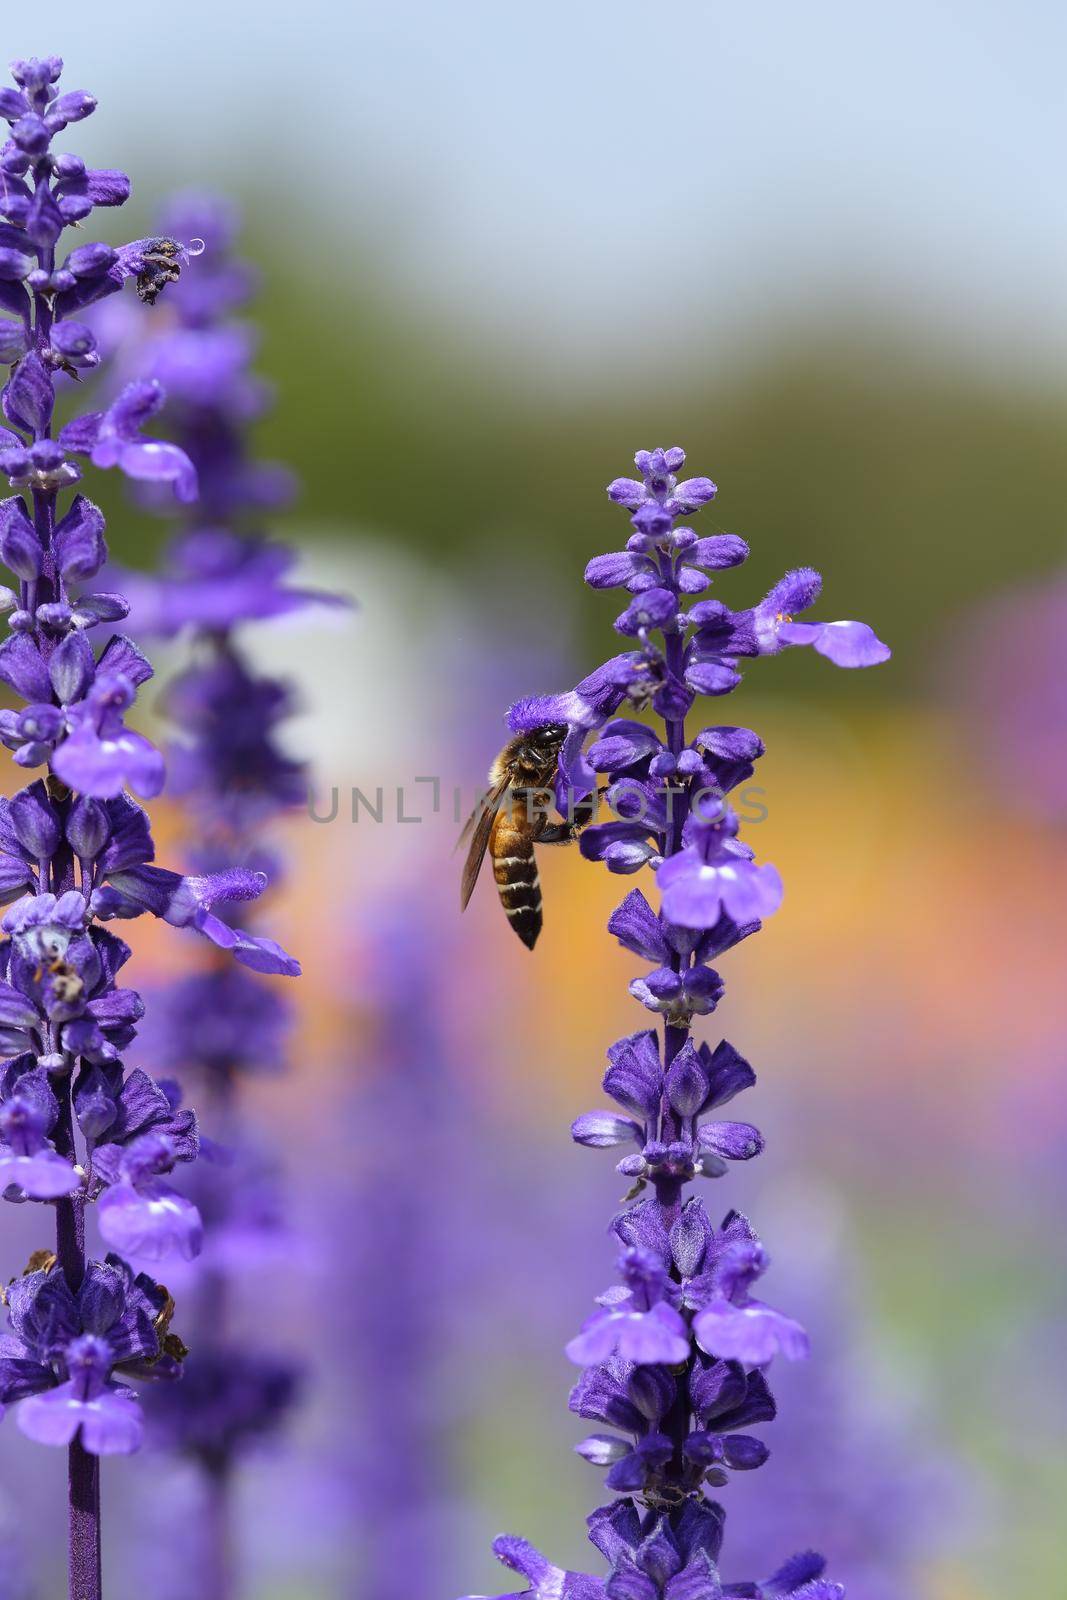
{"x":588,"y":176}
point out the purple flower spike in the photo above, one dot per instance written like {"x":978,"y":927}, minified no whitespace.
{"x":231,"y":775}
{"x":80,"y":1133}
{"x":673,"y":1356}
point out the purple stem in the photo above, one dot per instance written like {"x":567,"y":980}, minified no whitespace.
{"x":217,"y":1577}
{"x":83,"y":1480}
{"x":676,"y":1424}
{"x":83,"y":1469}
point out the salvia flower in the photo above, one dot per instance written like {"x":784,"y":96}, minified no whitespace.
{"x":68,"y":1353}
{"x":234,"y":779}
{"x":80,"y":1130}
{"x":674,"y":1358}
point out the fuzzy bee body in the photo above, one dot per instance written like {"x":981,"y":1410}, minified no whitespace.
{"x":511,"y":821}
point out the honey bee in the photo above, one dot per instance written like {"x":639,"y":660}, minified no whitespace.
{"x":161,"y":263}
{"x":511,"y":820}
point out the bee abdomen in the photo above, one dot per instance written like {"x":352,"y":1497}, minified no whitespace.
{"x":519,"y":888}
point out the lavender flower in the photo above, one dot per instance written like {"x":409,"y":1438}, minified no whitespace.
{"x":66,"y":1346}
{"x":674,"y":1357}
{"x":875,"y":1484}
{"x":77,"y":1128}
{"x":218,"y":1025}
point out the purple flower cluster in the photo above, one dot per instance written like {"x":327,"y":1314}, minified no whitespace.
{"x":675,"y":1354}
{"x":78,"y":1128}
{"x":69,"y":1350}
{"x":217,"y":1026}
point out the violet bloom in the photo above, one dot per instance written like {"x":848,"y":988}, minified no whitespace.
{"x":876,"y":1487}
{"x":63,"y":1362}
{"x":77,"y":1129}
{"x":674,"y":1357}
{"x":230,"y":772}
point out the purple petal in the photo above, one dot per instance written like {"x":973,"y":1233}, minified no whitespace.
{"x":44,"y":1176}
{"x":152,"y":1221}
{"x":628,"y":1582}
{"x":154,"y":461}
{"x":650,"y":1337}
{"x":721,"y":550}
{"x":30,"y":396}
{"x":622,"y":744}
{"x":615,"y":569}
{"x":711,"y":677}
{"x":687,"y":1085}
{"x":752,"y":1334}
{"x":534,"y":711}
{"x":695,"y":892}
{"x":603,"y":1130}
{"x":23,"y":667}
{"x":575,"y":777}
{"x":698,"y":1581}
{"x":846,"y":644}
{"x":799,"y":1569}
{"x":110,"y":1423}
{"x":623,"y":846}
{"x":262,"y":955}
{"x":104,"y":766}
{"x":596,"y":1341}
{"x":691,"y":494}
{"x":638,"y":928}
{"x":627,"y":492}
{"x":795,"y":592}
{"x":635,"y":1075}
{"x":736,"y":1141}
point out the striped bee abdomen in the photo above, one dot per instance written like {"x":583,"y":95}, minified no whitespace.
{"x":515,"y":871}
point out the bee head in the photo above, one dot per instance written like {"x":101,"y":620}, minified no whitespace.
{"x":539,"y":730}
{"x":541,"y":746}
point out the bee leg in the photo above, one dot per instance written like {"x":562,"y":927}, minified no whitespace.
{"x":565,"y":832}
{"x":558,"y":832}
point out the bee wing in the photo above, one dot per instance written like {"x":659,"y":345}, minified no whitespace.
{"x":478,"y":829}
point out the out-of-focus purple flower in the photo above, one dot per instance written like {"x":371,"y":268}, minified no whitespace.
{"x":228,"y":1397}
{"x":233,"y":777}
{"x":879,"y":1490}
{"x":218,"y":1023}
{"x":1020,"y":713}
{"x":214,"y":578}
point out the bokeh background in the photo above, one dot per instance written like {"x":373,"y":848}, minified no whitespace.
{"x":823,"y":248}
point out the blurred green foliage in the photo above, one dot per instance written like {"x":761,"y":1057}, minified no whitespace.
{"x":914,"y":479}
{"x":913,"y":482}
